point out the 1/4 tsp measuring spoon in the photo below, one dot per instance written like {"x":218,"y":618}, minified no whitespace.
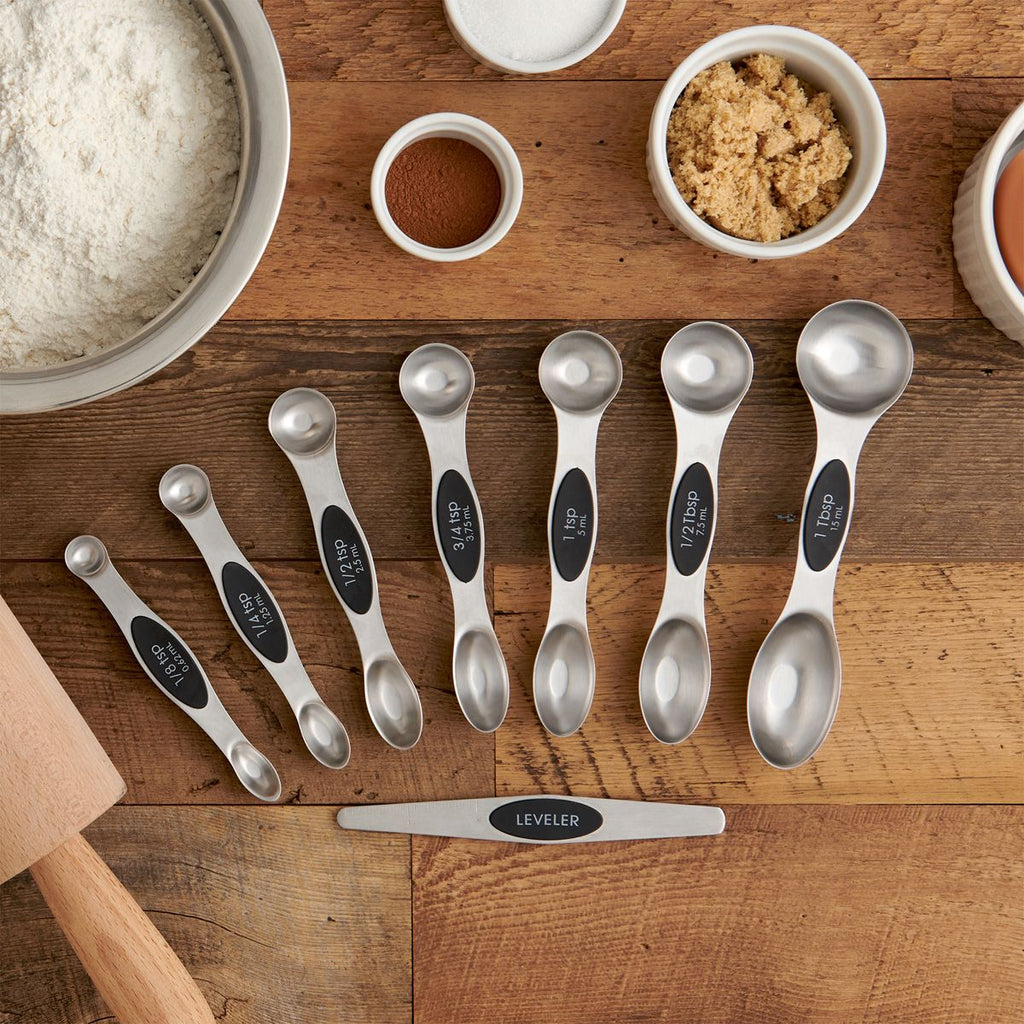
{"x":706,"y":368}
{"x":437,"y":383}
{"x":169,"y":663}
{"x":304,"y":425}
{"x":252,"y":610}
{"x":854,"y":359}
{"x":580,"y":373}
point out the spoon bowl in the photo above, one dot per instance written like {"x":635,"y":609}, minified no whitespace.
{"x":580,"y":372}
{"x":675,"y":679}
{"x":436,"y":380}
{"x":393,"y":703}
{"x":302,"y":421}
{"x":255,"y":772}
{"x":481,"y":679}
{"x":707,"y":367}
{"x":86,"y":555}
{"x":185,"y":490}
{"x":564,"y":677}
{"x":324,"y":735}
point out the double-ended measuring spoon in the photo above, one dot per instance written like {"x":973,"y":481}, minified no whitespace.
{"x":171,"y":665}
{"x":580,"y":373}
{"x":304,"y":425}
{"x":854,"y":359}
{"x":706,"y":368}
{"x":185,"y":492}
{"x":437,"y":383}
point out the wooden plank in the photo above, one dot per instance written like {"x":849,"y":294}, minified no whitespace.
{"x":590,"y":239}
{"x":278,"y":914}
{"x":381,"y":39}
{"x":824,"y":914}
{"x":934,"y":482}
{"x":164,"y":758}
{"x":930,"y":712}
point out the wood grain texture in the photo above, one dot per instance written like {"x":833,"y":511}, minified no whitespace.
{"x":930,"y":712}
{"x":936,"y":479}
{"x":590,"y":240}
{"x":823,"y":914}
{"x":387,"y":39}
{"x":277,"y":913}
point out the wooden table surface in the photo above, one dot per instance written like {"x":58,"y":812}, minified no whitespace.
{"x":880,"y":882}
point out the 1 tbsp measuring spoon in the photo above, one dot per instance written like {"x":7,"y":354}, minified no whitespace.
{"x":854,"y":359}
{"x":252,"y":610}
{"x":169,"y":663}
{"x":304,"y":425}
{"x":706,"y":368}
{"x":437,"y":383}
{"x":580,"y":373}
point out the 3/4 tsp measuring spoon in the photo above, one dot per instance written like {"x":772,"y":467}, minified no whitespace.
{"x":169,"y":663}
{"x":854,"y":359}
{"x":437,"y":383}
{"x":706,"y":368}
{"x":304,"y":425}
{"x":580,"y":373}
{"x":252,"y":610}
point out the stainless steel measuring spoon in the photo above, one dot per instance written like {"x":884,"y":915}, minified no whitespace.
{"x":252,"y":610}
{"x":171,"y":665}
{"x":854,"y":359}
{"x":304,"y":425}
{"x":706,"y":368}
{"x":437,"y":383}
{"x":580,"y":373}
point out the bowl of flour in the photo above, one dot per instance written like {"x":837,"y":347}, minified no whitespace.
{"x":143,"y":156}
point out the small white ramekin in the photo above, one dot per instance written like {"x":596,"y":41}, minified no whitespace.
{"x":824,"y":66}
{"x":450,"y":126}
{"x":974,"y":231}
{"x":478,"y":50}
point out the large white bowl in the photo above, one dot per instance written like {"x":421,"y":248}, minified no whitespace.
{"x":824,"y":66}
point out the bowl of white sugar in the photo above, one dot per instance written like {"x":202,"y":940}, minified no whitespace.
{"x":143,"y":157}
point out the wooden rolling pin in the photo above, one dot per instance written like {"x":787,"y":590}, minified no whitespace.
{"x":54,"y":780}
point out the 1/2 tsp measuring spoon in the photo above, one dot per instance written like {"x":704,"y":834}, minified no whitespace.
{"x":171,"y":665}
{"x":580,"y":373}
{"x":304,"y":425}
{"x":706,"y":368}
{"x":854,"y":359}
{"x":437,"y":383}
{"x":252,"y":610}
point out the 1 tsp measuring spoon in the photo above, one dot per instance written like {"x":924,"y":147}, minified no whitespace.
{"x":169,"y":663}
{"x":854,"y":359}
{"x":437,"y":382}
{"x":185,"y":491}
{"x":580,"y":373}
{"x":304,"y":425}
{"x":706,"y":368}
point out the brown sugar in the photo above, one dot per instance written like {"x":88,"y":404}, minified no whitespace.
{"x":443,"y":192}
{"x":755,"y":151}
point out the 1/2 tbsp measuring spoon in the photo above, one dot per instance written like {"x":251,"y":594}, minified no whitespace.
{"x":854,"y":359}
{"x":706,"y":368}
{"x":171,"y":665}
{"x":437,"y":383}
{"x":304,"y":425}
{"x":252,"y":610}
{"x":580,"y":373}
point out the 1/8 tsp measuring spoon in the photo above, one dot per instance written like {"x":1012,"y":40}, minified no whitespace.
{"x":169,"y":663}
{"x":580,"y":373}
{"x":437,"y":383}
{"x":706,"y":368}
{"x":304,"y":425}
{"x":252,"y":610}
{"x":854,"y":359}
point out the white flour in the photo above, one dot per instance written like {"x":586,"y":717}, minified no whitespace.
{"x":119,"y":149}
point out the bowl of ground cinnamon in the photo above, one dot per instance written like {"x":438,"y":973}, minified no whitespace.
{"x":446,"y":187}
{"x":766,"y":142}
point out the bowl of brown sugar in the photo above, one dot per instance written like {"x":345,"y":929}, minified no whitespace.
{"x":446,"y":187}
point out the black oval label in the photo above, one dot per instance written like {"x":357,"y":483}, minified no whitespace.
{"x":170,"y":664}
{"x":458,"y":525}
{"x":547,"y":820}
{"x":347,"y":559}
{"x":255,"y":612}
{"x":572,"y":524}
{"x":692,"y":519}
{"x":827,"y":515}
